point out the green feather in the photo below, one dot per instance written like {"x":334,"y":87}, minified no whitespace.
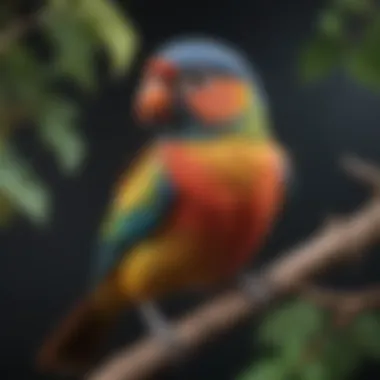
{"x":257,"y":122}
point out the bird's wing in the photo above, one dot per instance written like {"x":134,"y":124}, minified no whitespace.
{"x":141,"y":203}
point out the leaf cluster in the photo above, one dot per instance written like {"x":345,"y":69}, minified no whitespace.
{"x":306,"y":346}
{"x":347,"y":37}
{"x":75,"y":32}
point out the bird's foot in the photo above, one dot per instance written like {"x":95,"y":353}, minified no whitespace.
{"x":160,"y":327}
{"x":255,"y":288}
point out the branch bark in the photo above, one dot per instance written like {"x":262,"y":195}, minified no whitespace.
{"x":336,"y":242}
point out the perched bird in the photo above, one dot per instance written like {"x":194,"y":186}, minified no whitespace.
{"x":197,"y":204}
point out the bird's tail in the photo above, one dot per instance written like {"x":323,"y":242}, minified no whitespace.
{"x":75,"y":343}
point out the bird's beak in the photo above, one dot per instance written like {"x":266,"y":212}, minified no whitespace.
{"x":154,"y":99}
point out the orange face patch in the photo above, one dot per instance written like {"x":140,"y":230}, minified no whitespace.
{"x":220,"y":100}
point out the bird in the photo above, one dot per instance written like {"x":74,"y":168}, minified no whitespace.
{"x":195,"y":206}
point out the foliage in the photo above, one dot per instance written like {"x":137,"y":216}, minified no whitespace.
{"x":305,"y":345}
{"x":75,"y":31}
{"x":348,"y":38}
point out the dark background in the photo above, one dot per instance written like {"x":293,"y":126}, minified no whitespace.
{"x":41,"y":274}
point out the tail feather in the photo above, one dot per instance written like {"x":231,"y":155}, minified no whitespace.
{"x":75,"y":344}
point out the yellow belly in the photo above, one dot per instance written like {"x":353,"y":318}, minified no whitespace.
{"x":164,"y":265}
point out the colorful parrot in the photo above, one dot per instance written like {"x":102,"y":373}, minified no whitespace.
{"x":196,"y":205}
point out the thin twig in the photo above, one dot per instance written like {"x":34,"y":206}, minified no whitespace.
{"x":345,"y":305}
{"x":364,"y":172}
{"x":333,"y":244}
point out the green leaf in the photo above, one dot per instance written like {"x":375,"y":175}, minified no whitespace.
{"x":74,"y":47}
{"x":319,"y":57}
{"x":114,"y":30}
{"x":23,"y":78}
{"x":293,"y":350}
{"x":331,"y":24}
{"x":295,"y":324}
{"x":20,"y":186}
{"x":353,"y":6}
{"x":108,"y":26}
{"x":316,"y":370}
{"x":363,"y":64}
{"x":366,"y":334}
{"x":341,"y":355}
{"x":56,"y":127}
{"x":328,"y":356}
{"x":363,"y":70}
{"x":265,"y":370}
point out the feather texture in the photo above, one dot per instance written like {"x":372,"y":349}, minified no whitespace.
{"x":142,"y":200}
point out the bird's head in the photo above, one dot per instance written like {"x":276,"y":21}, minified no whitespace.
{"x":200,"y":87}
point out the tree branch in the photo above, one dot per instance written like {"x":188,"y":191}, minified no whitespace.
{"x":336,"y":242}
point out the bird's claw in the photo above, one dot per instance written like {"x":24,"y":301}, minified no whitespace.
{"x":160,"y":328}
{"x":170,"y":339}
